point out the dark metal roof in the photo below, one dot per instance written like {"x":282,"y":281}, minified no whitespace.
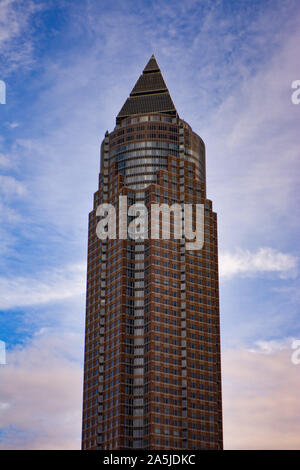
{"x":147,"y":104}
{"x":149,"y":94}
{"x":149,"y":82}
{"x":152,"y":65}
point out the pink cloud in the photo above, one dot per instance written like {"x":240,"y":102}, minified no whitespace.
{"x":261,"y":399}
{"x":40,"y":397}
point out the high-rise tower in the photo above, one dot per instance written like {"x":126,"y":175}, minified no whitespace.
{"x":152,"y":376}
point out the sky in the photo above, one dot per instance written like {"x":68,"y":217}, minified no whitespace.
{"x":68,"y":67}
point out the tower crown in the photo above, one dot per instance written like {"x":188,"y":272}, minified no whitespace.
{"x":149,"y":95}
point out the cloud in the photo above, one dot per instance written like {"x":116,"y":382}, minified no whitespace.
{"x":13,"y":124}
{"x":49,"y":286}
{"x":252,"y":146}
{"x":5,"y":161}
{"x":11,"y":24}
{"x":265,"y":260}
{"x":261,"y":397}
{"x":41,"y":394}
{"x":11,"y":186}
{"x":15,"y":16}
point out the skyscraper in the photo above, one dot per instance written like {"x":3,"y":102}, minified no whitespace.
{"x":152,"y":375}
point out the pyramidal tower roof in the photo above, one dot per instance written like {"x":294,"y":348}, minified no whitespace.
{"x":149,"y":95}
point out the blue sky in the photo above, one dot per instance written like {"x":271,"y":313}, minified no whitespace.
{"x":68,"y":67}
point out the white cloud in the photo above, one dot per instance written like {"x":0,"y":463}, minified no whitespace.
{"x":45,"y":287}
{"x":12,"y":125}
{"x":271,"y":346}
{"x":265,"y":260}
